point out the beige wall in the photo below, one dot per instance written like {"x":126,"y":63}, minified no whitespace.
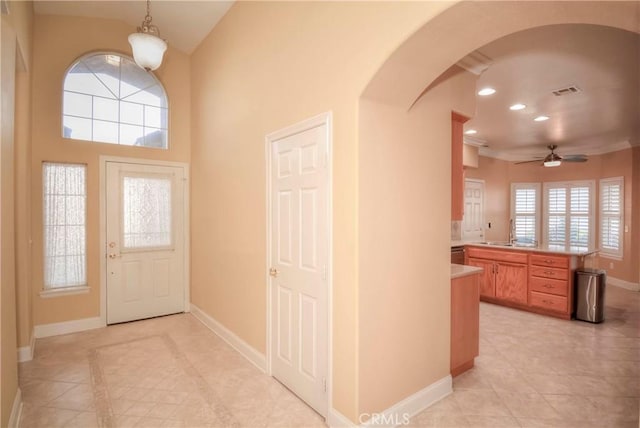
{"x":299,"y":59}
{"x":499,"y":175}
{"x":403,"y":262}
{"x":265,"y":66}
{"x":15,"y":62}
{"x":8,"y":365}
{"x":58,"y":41}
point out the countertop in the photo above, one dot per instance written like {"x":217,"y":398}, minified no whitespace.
{"x":458,"y":271}
{"x":572,"y":251}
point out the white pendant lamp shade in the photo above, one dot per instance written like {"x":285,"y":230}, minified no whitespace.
{"x":148,"y":50}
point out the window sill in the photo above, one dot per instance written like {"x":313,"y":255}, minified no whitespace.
{"x":66,"y":291}
{"x":611,"y":256}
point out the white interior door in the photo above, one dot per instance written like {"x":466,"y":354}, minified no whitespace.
{"x":145,"y":241}
{"x":299,"y":257}
{"x":473,"y":220}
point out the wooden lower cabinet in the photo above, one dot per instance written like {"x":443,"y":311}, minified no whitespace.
{"x":487,"y":284}
{"x":536,"y":282}
{"x":511,"y":282}
{"x":465,"y":323}
{"x":501,"y":280}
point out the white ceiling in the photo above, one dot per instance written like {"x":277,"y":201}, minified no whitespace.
{"x":527,"y":66}
{"x":184,"y":24}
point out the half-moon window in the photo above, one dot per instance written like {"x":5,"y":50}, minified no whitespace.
{"x":108,"y":98}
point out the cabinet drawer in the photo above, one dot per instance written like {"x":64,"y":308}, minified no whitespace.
{"x":548,"y":301}
{"x":551,"y":261}
{"x":547,"y":272}
{"x":497,"y":255}
{"x":546,"y":285}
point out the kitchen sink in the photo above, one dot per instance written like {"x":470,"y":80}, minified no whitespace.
{"x":508,"y":244}
{"x":498,"y":243}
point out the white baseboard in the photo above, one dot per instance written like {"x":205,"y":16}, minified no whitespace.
{"x":16,"y":410}
{"x":66,"y":327}
{"x":338,"y":420}
{"x":25,"y":353}
{"x":399,"y":413}
{"x":633,"y":286}
{"x":250,"y":353}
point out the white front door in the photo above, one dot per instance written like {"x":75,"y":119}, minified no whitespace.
{"x":473,"y":220}
{"x":299,"y":256}
{"x":145,"y":241}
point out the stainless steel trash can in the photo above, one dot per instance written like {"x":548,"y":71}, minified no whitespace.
{"x":589,"y":294}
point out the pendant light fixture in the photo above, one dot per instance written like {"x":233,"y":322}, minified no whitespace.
{"x":148,"y":48}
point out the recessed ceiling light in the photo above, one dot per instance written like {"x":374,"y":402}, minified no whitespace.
{"x":486,"y":91}
{"x":517,"y":107}
{"x":541,"y":118}
{"x":470,"y":132}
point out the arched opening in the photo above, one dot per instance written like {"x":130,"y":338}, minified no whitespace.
{"x":404,"y":158}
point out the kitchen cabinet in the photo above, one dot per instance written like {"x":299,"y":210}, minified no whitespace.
{"x":551,"y":283}
{"x":465,"y":322}
{"x":526,"y":279}
{"x":505,"y":274}
{"x":487,"y":285}
{"x":457,"y":169}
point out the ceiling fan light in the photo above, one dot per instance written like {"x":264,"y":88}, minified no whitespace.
{"x":552,"y":160}
{"x":148,"y":50}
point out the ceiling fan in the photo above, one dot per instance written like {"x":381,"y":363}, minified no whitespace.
{"x":554,"y":159}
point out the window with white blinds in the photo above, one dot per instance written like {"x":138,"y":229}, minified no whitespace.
{"x":525,"y":209}
{"x":611,"y":216}
{"x":569,"y":214}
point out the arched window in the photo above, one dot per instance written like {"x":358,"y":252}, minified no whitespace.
{"x":108,"y":98}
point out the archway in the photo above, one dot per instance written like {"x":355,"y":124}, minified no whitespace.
{"x":404,"y":176}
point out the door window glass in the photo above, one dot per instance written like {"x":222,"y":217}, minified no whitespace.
{"x":146,"y":212}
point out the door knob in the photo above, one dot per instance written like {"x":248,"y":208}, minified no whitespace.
{"x":273,"y":272}
{"x":113,"y":255}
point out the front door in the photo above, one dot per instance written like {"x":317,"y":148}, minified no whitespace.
{"x":145,"y":241}
{"x":299,"y":256}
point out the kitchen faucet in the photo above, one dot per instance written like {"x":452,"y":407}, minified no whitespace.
{"x":511,"y":237}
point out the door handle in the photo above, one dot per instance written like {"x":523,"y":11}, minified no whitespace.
{"x":113,"y":256}
{"x":273,"y":272}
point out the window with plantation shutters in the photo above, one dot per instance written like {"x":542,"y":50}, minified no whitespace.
{"x":525,"y":209}
{"x":611,"y":219}
{"x":568,"y":211}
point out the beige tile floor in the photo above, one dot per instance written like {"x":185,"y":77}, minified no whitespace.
{"x":172,"y":371}
{"x":536,"y":371}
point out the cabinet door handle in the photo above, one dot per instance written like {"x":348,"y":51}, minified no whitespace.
{"x":549,"y":261}
{"x":548,"y":272}
{"x":547,"y":302}
{"x":548,"y":286}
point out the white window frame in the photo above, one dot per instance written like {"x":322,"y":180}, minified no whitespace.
{"x":568,"y":214}
{"x":60,"y":290}
{"x":119,"y":122}
{"x":536,"y":214}
{"x":607,"y":252}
